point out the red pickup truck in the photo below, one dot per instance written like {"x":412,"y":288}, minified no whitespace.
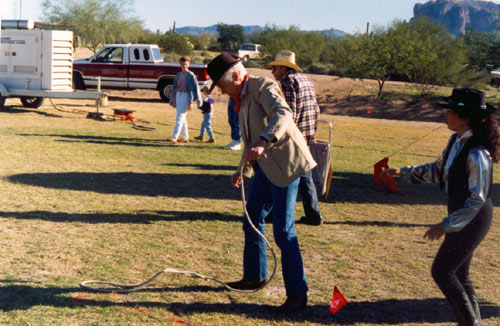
{"x":131,"y":66}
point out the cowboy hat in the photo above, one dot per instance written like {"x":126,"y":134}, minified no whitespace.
{"x":466,"y":99}
{"x":218,"y":66}
{"x":285,"y":58}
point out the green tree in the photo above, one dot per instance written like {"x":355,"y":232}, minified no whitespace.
{"x":202,"y":41}
{"x":482,"y":49}
{"x":338,"y":52}
{"x":307,"y":46}
{"x":230,"y":36}
{"x":380,"y":55}
{"x":176,"y":43}
{"x":96,"y":22}
{"x":420,"y":52}
{"x":438,"y":57}
{"x":150,"y":38}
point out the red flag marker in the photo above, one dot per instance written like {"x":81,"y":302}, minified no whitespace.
{"x":368,"y":111}
{"x":338,"y":300}
{"x":387,"y":181}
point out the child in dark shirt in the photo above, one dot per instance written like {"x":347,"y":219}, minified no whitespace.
{"x":207,"y":109}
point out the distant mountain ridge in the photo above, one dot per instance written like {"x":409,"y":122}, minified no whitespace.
{"x":456,"y":15}
{"x":194,"y":30}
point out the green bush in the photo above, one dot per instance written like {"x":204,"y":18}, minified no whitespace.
{"x":320,"y":68}
{"x":176,"y":43}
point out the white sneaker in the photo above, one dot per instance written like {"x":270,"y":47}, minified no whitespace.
{"x":235,"y":147}
{"x":232,"y":143}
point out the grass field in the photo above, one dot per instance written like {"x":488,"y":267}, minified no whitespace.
{"x":84,"y":199}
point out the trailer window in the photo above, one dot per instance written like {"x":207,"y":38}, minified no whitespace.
{"x":137,"y":54}
{"x":145,"y":52}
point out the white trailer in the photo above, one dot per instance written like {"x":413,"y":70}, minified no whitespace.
{"x":37,"y":64}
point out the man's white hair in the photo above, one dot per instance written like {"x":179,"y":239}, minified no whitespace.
{"x":228,"y":75}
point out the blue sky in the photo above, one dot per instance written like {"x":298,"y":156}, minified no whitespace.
{"x":347,"y":15}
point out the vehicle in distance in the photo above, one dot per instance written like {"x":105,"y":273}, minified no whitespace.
{"x":131,"y":66}
{"x":246,"y":51}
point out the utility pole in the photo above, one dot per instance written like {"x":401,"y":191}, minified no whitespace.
{"x":20,"y":8}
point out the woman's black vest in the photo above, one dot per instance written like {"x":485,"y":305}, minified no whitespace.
{"x":458,"y":179}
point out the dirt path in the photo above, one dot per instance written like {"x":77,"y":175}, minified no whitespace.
{"x":346,"y":96}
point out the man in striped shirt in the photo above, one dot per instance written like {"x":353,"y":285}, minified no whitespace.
{"x":300,"y":95}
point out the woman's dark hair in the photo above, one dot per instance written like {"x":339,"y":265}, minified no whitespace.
{"x":484,"y":127}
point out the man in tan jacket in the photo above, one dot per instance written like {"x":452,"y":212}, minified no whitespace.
{"x":275,"y":155}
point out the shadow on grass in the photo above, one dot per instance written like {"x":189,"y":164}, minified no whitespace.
{"x":346,"y":187}
{"x":378,"y":223}
{"x":123,"y":141}
{"x":204,"y":166}
{"x":16,"y":110}
{"x":103,"y":140}
{"x":115,"y":98}
{"x":392,"y":312}
{"x":137,"y":184}
{"x":359,"y":188}
{"x":139,"y":218}
{"x":393,"y":105}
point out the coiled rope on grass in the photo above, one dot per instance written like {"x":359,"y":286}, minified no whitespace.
{"x":127,"y":288}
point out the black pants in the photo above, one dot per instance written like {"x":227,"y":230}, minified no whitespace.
{"x":309,"y":196}
{"x":450,"y":269}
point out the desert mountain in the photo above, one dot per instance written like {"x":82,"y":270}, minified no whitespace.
{"x":456,"y":15}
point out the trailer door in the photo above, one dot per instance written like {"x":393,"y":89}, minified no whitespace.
{"x":20,"y":59}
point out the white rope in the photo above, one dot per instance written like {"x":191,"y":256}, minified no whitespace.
{"x":124,"y":288}
{"x":397,"y":151}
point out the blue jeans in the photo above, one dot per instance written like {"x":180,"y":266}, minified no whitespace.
{"x":264,"y":196}
{"x":233,"y":119}
{"x":206,"y":124}
{"x":309,"y":196}
{"x":181,"y":104}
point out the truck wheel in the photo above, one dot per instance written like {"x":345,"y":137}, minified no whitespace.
{"x":245,"y":58}
{"x":166,"y":91}
{"x":78,"y":81}
{"x":2,"y":102}
{"x":32,"y":102}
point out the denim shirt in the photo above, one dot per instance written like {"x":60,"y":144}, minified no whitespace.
{"x":479,"y":166}
{"x":193,"y":87}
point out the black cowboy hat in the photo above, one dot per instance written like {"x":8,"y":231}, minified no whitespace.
{"x":466,"y":99}
{"x":219,"y":65}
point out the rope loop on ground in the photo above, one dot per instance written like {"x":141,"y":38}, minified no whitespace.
{"x":109,"y":287}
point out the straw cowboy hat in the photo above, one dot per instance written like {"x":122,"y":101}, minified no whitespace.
{"x":467,"y":99}
{"x":285,"y":58}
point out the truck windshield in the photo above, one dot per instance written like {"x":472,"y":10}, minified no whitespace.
{"x":157,"y":55}
{"x":248,"y":47}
